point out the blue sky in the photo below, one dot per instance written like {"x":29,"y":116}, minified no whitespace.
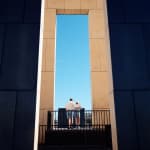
{"x":72,"y":79}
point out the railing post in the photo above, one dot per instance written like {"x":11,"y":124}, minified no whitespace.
{"x":62,"y":118}
{"x":82,"y":117}
{"x":49,"y":120}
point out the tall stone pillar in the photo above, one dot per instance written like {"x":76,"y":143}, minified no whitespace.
{"x":48,"y":64}
{"x":99,"y":59}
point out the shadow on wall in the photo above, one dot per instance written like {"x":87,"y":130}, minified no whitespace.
{"x":19,"y":42}
{"x":129,"y":23}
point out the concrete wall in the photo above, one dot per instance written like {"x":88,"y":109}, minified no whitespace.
{"x":19,"y":41}
{"x":129,"y":22}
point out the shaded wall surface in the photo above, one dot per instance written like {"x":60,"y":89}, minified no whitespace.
{"x":129,"y":23}
{"x":19,"y":41}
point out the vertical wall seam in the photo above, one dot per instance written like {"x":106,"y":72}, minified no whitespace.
{"x":136,"y":121}
{"x":14,"y":125}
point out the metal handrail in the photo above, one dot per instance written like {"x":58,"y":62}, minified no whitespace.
{"x":89,"y":120}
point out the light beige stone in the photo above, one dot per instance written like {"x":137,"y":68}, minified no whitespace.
{"x":47,"y":90}
{"x":49,"y":23}
{"x":88,"y":4}
{"x":95,"y":35}
{"x":72,"y":4}
{"x":50,"y":54}
{"x":46,"y":4}
{"x":44,"y":56}
{"x":42,"y":121}
{"x":97,"y":26}
{"x":43,"y":117}
{"x":56,"y":4}
{"x":60,"y":11}
{"x":72,"y":11}
{"x":84,"y":11}
{"x":100,"y":90}
{"x":100,"y":4}
{"x":99,"y":55}
{"x":49,"y":35}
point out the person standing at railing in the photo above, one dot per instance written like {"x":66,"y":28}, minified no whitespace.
{"x":70,"y":109}
{"x":77,"y":108}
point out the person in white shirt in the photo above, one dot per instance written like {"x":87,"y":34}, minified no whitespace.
{"x":70,"y":109}
{"x":77,"y":108}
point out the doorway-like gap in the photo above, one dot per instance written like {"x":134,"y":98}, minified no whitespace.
{"x":72,"y":77}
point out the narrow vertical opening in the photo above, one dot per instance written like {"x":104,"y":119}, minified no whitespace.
{"x":72,"y":77}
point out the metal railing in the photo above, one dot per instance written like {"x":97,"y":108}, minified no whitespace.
{"x":89,"y":120}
